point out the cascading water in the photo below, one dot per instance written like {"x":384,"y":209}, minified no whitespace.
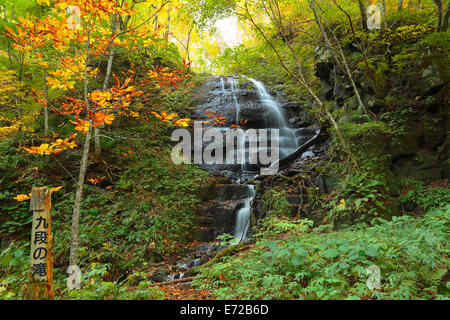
{"x":287,"y":139}
{"x":277,"y":120}
{"x":249,"y":101}
{"x":243,"y":217}
{"x":233,"y":87}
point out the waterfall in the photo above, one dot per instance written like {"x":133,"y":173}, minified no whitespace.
{"x":243,"y":217}
{"x":288,"y":140}
{"x":277,"y":120}
{"x":233,"y":87}
{"x":255,"y":104}
{"x":222,"y":86}
{"x":229,"y":212}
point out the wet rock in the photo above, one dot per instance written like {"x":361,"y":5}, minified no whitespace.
{"x":185,"y":285}
{"x":305,"y":131}
{"x":295,"y":201}
{"x":322,"y":54}
{"x":230,"y":192}
{"x":255,"y":114}
{"x":217,"y":217}
{"x":431,"y":81}
{"x":160,"y":275}
{"x":408,"y":143}
{"x":434,"y":132}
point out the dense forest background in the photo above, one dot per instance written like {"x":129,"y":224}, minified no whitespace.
{"x":91,"y":91}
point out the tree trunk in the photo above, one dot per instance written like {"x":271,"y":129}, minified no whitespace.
{"x":362,"y":9}
{"x":4,"y":12}
{"x":74,"y":231}
{"x":168,"y":17}
{"x":382,"y":6}
{"x":73,"y":260}
{"x":438,"y":4}
{"x":344,"y":60}
{"x":46,"y":128}
{"x":97,"y":144}
{"x":302,"y":81}
{"x":187,"y":44}
{"x":444,"y":27}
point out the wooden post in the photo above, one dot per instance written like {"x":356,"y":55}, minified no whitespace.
{"x":41,"y":262}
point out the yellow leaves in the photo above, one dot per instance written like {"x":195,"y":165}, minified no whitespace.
{"x":101,"y":98}
{"x":56,"y":189}
{"x":22,"y":197}
{"x":182,"y":122}
{"x":47,"y":2}
{"x":25,"y":23}
{"x":81,"y":125}
{"x":102,"y":119}
{"x":43,"y":64}
{"x":69,"y":71}
{"x":152,"y":74}
{"x":53,"y":148}
{"x":64,"y":144}
{"x":341,"y":205}
{"x":43,"y":149}
{"x":8,"y":130}
{"x":165,"y":117}
{"x":109,"y":119}
{"x":148,"y":43}
{"x":24,"y":123}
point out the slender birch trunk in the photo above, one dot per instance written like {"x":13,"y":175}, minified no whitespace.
{"x":46,"y":127}
{"x":97,"y":144}
{"x":341,"y":53}
{"x":74,"y":231}
{"x":73,"y":260}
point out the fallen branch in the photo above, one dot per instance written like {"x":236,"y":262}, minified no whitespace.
{"x":284,"y":162}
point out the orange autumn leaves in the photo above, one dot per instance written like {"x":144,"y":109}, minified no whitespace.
{"x":52,"y":148}
{"x":24,"y":197}
{"x":165,"y":117}
{"x":105,"y":104}
{"x":166,"y":78}
{"x":96,"y":180}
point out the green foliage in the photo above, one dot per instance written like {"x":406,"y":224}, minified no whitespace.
{"x":13,"y":270}
{"x":94,"y":288}
{"x":143,"y":211}
{"x":207,"y":12}
{"x":273,"y":226}
{"x":361,"y":197}
{"x":411,"y":253}
{"x":275,"y":203}
{"x":226,"y":239}
{"x":424,"y":196}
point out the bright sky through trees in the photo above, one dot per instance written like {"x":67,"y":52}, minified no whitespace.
{"x":230,"y":31}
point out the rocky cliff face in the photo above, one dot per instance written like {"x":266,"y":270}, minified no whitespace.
{"x":422,"y":149}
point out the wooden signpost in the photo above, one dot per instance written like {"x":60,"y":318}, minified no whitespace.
{"x":41,"y":262}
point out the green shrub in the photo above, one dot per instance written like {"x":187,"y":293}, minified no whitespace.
{"x":412,"y":254}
